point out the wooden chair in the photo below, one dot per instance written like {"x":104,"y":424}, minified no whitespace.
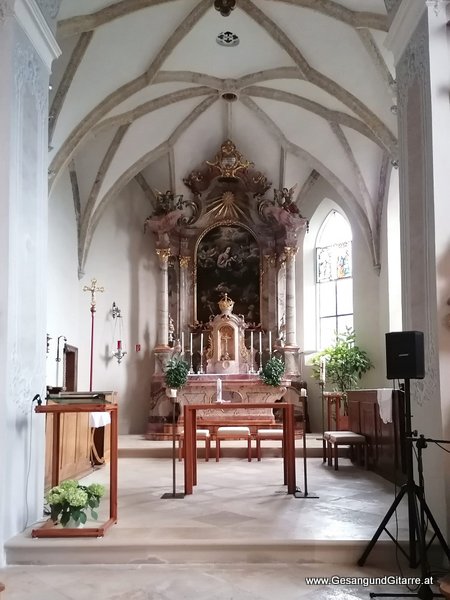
{"x":268,"y":434}
{"x":202,"y":434}
{"x":333,"y":439}
{"x":234,"y":433}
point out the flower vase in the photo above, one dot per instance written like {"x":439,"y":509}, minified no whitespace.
{"x":72,"y":524}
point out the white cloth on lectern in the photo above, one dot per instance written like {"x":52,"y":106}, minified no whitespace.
{"x":99,"y":419}
{"x":384,"y":399}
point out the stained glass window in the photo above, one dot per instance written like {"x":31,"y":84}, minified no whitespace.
{"x":334,"y":278}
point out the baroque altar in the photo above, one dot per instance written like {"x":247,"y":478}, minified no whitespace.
{"x":232,"y":247}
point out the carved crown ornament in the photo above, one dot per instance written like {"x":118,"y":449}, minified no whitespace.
{"x":228,"y":166}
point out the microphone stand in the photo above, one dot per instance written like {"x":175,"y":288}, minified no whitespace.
{"x":417,"y":511}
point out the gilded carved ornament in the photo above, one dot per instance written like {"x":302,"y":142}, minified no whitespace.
{"x":290,"y":252}
{"x":229,"y":161}
{"x":163,"y":255}
{"x":184,"y":261}
{"x":270,"y":259}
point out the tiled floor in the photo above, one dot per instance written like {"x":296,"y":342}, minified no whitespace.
{"x":239,"y":536}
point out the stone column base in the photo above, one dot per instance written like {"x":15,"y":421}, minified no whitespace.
{"x":162,"y":355}
{"x":291,"y":361}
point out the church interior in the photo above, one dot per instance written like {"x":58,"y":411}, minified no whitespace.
{"x":231,"y":183}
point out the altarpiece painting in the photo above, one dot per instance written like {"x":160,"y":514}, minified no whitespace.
{"x":228,"y":261}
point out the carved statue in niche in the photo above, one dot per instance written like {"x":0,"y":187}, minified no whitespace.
{"x":226,"y":352}
{"x":228,"y":262}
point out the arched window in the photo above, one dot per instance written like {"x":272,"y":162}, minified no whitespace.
{"x":334,"y":281}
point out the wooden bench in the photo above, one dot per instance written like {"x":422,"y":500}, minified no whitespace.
{"x":333,"y":439}
{"x":202,"y":434}
{"x":234,"y":433}
{"x":268,"y":434}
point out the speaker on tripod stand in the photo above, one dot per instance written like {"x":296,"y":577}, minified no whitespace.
{"x":405,"y":360}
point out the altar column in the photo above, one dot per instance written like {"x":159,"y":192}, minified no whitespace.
{"x":163,"y":299}
{"x":290,"y":296}
{"x":291,"y":348}
{"x":184,"y":266}
{"x":271,"y":287}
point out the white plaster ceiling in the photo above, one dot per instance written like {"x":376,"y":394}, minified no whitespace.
{"x":139,"y":85}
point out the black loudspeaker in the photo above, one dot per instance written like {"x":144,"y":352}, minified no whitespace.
{"x":405,"y":355}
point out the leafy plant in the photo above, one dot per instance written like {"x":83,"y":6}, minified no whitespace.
{"x":346,"y":363}
{"x":70,"y":500}
{"x":273,"y":371}
{"x":176,"y":372}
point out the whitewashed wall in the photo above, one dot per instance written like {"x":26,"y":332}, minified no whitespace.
{"x":123,"y":261}
{"x":23,"y":233}
{"x":370,"y":299}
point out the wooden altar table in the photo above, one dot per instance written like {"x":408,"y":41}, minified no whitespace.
{"x":48,"y":530}
{"x":190,"y":439}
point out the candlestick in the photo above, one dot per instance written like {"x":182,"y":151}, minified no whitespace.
{"x":322,"y":369}
{"x":260,"y":350}
{"x":201,"y":353}
{"x":251,"y":352}
{"x":191,"y":370}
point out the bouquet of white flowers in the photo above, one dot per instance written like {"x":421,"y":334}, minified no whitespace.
{"x":70,"y":500}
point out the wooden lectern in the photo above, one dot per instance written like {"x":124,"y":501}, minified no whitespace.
{"x":48,"y":529}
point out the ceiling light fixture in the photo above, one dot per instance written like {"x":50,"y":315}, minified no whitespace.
{"x":225,"y":6}
{"x":229,"y":96}
{"x":227,"y":38}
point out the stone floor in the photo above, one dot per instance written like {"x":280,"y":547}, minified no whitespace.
{"x":239,"y":536}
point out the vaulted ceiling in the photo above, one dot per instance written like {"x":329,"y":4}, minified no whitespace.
{"x":138,"y":93}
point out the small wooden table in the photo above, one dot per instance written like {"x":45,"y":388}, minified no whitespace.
{"x":190,"y":441}
{"x":48,"y":530}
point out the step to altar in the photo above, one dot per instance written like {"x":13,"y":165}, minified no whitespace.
{"x":164,"y":431}
{"x":141,"y":447}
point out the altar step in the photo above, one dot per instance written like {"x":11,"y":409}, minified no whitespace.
{"x":129,"y":548}
{"x":239,"y":513}
{"x":141,"y":447}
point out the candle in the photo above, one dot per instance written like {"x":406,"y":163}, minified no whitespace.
{"x":322,"y":369}
{"x":119,"y":344}
{"x":303,"y":392}
{"x":182,"y":343}
{"x":219,"y":390}
{"x":260,"y":342}
{"x":201,"y":344}
{"x":270,"y":343}
{"x":190,"y":344}
{"x":251,"y":343}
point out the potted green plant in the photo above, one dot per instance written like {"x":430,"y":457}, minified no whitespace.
{"x":175,"y":373}
{"x":70,"y":501}
{"x":273,"y":371}
{"x":346,"y":363}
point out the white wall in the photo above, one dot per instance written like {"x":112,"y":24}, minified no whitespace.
{"x":123,"y":261}
{"x":370,"y":300}
{"x":23,"y":235}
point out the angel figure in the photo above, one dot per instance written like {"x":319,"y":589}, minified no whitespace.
{"x":285,"y":199}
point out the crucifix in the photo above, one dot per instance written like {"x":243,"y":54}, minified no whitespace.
{"x":225,"y":337}
{"x":93,"y":289}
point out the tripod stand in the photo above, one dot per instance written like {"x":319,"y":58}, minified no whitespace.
{"x":417,"y":511}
